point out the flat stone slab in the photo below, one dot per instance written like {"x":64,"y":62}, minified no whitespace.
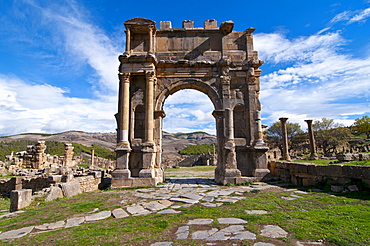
{"x":211,"y":205}
{"x":273,"y":231}
{"x":230,"y":233}
{"x":227,"y":200}
{"x":51,"y":226}
{"x":137,"y":210}
{"x":98,"y":216}
{"x":162,"y":244}
{"x":296,"y":196}
{"x":301,"y":192}
{"x":263,"y":244}
{"x":16,"y":233}
{"x":231,"y":221}
{"x":203,"y":234}
{"x":191,"y":196}
{"x":200,"y":222}
{"x":75,"y":221}
{"x":119,"y":213}
{"x":153,"y":206}
{"x":256,"y":211}
{"x":244,"y":235}
{"x":288,"y":198}
{"x":208,"y":198}
{"x":184,"y":200}
{"x":166,"y":203}
{"x":169,"y":211}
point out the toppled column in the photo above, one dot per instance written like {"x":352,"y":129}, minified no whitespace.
{"x":313,"y":155}
{"x":285,"y":153}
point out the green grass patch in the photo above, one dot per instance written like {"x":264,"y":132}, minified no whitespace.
{"x":336,"y":220}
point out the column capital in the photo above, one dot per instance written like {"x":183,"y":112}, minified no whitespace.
{"x":218,"y":113}
{"x":151,"y":76}
{"x":125,"y":77}
{"x":309,"y":122}
{"x":283,"y":120}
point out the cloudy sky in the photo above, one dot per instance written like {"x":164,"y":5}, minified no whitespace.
{"x":58,"y":61}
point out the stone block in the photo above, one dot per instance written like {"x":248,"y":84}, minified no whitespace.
{"x":334,"y":171}
{"x":71,"y":188}
{"x":54,"y":193}
{"x":55,"y":178}
{"x":210,"y":24}
{"x":336,"y":188}
{"x":165,"y":25}
{"x":20,"y":199}
{"x":352,"y":188}
{"x":188,"y":24}
{"x":357,"y":172}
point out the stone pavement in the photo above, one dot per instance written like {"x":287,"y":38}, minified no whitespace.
{"x":177,"y":193}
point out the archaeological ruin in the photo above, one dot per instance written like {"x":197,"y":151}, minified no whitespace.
{"x":215,"y":60}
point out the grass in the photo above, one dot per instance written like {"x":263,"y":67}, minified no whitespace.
{"x":338,"y":220}
{"x":332,"y":161}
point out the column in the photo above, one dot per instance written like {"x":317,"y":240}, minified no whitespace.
{"x":313,"y":155}
{"x":122,"y":173}
{"x":149,"y":112}
{"x":257,"y":119}
{"x":128,"y":41}
{"x":92,"y":157}
{"x":151,"y":28}
{"x":229,"y":124}
{"x":149,"y":148}
{"x":285,"y":153}
{"x":125,"y":109}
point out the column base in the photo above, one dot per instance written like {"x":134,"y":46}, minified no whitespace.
{"x":261,"y":173}
{"x":134,"y":182}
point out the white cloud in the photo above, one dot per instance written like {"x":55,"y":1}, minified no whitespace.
{"x":45,"y":109}
{"x":362,"y":16}
{"x":187,"y":111}
{"x":318,"y":82}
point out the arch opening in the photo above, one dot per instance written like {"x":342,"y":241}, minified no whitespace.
{"x":188,"y":111}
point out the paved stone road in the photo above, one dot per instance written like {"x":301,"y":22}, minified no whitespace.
{"x":183,"y":193}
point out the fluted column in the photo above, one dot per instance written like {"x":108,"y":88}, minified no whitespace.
{"x":125,"y":109}
{"x":313,"y":155}
{"x":149,"y":112}
{"x":285,"y":153}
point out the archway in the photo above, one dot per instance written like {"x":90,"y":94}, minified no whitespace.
{"x":189,"y":122}
{"x":219,"y":62}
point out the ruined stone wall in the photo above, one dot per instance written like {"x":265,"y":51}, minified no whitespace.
{"x":88,"y":183}
{"x":303,"y":174}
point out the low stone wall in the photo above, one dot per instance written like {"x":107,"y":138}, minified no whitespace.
{"x":304,"y":174}
{"x":87,"y":182}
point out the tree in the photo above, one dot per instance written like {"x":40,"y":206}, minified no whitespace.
{"x":362,"y":125}
{"x":275,"y":133}
{"x":329,"y":135}
{"x":292,"y":129}
{"x":325,"y":124}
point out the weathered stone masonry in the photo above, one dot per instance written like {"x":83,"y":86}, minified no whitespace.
{"x":217,"y":61}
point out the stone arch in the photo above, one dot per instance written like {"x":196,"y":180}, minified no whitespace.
{"x":195,"y":84}
{"x":218,"y":62}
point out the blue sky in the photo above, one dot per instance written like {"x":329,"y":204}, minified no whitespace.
{"x":58,"y":61}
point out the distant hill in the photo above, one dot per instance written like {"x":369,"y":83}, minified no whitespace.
{"x":171,"y":145}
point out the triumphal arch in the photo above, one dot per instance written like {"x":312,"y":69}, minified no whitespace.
{"x":213,"y":59}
